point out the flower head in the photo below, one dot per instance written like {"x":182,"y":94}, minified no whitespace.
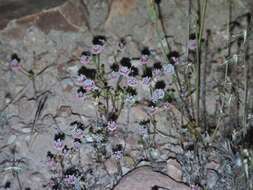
{"x":118,"y":151}
{"x":159,"y":92}
{"x":85,"y":57}
{"x":98,"y":44}
{"x":168,"y":69}
{"x":157,"y":68}
{"x":58,"y":140}
{"x":70,"y":176}
{"x":88,"y":73}
{"x":51,"y":163}
{"x":77,"y":143}
{"x":80,"y":79}
{"x":112,"y":122}
{"x":132,"y":81}
{"x":173,"y":57}
{"x":65,"y":150}
{"x":80,"y":92}
{"x":112,"y":125}
{"x":192,"y":44}
{"x":89,"y":85}
{"x":15,"y":62}
{"x":79,"y":131}
{"x":145,"y":55}
{"x":147,"y":76}
{"x":125,"y":67}
{"x":122,"y":43}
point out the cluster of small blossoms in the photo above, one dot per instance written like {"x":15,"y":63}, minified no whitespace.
{"x":112,"y":122}
{"x":143,"y":127}
{"x":71,"y":176}
{"x":86,"y":76}
{"x":192,"y":44}
{"x":58,"y":141}
{"x":159,"y":92}
{"x":117,"y":151}
{"x":131,"y":94}
{"x":14,"y":63}
{"x":78,"y":130}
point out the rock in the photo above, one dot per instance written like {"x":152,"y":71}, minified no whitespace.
{"x":154,"y":153}
{"x":212,"y":179}
{"x":111,"y":166}
{"x":68,"y":16}
{"x":14,"y":9}
{"x":143,"y":178}
{"x":26,"y":109}
{"x":11,"y":139}
{"x":132,"y":21}
{"x":174,"y":169}
{"x":76,"y":13}
{"x":64,"y":111}
{"x":98,"y":12}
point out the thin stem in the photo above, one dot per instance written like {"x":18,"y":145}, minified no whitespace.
{"x":201,"y":23}
{"x":246,"y":78}
{"x":203,"y":86}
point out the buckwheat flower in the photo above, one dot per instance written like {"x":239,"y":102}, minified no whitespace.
{"x":159,"y":92}
{"x":77,"y":143}
{"x":98,"y":44}
{"x":97,"y":49}
{"x":130,"y":95}
{"x":89,"y":85}
{"x":122,"y":44}
{"x":146,"y":81}
{"x":145,"y":55}
{"x":85,"y":57}
{"x":65,"y":150}
{"x":143,"y":129}
{"x":51,"y":163}
{"x":173,"y":57}
{"x":80,"y":92}
{"x":192,"y":44}
{"x":125,"y":66}
{"x":124,"y":71}
{"x":112,"y":126}
{"x":58,"y":141}
{"x":70,"y":179}
{"x":115,"y":68}
{"x":80,"y":79}
{"x":15,"y":62}
{"x":78,"y":132}
{"x":147,"y":76}
{"x":88,"y":73}
{"x":112,"y":122}
{"x":157,"y":68}
{"x":118,"y":151}
{"x":168,"y":69}
{"x":132,"y":81}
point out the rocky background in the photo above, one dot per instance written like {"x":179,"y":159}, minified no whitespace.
{"x":49,"y":37}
